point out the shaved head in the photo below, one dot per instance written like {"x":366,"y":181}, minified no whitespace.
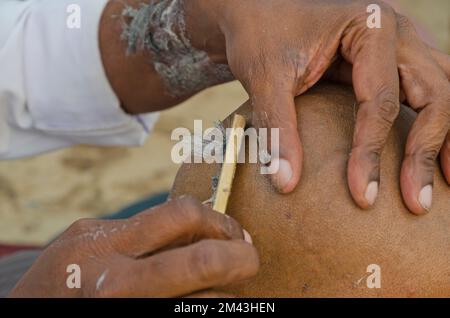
{"x":315,"y":241}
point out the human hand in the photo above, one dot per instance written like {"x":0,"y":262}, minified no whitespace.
{"x":421,"y":69}
{"x":179,"y":248}
{"x":279,"y":49}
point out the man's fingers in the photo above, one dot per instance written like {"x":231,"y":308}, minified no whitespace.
{"x":178,"y":222}
{"x":273,"y":108}
{"x":376,"y":86}
{"x":424,"y":142}
{"x":185,"y":270}
{"x":427,"y":90}
{"x":444,"y":62}
{"x":445,"y":158}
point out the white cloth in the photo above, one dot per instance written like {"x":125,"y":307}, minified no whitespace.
{"x":53,"y":89}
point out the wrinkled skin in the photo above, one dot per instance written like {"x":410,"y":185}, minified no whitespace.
{"x":278,"y":49}
{"x":316,"y":241}
{"x":179,"y":248}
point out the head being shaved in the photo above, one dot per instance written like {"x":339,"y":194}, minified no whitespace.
{"x":316,"y":241}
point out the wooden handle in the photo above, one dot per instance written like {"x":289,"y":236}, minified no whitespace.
{"x":228,"y":170}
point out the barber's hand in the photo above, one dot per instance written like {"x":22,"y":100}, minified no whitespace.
{"x":179,"y":248}
{"x":280,"y":48}
{"x":418,"y":90}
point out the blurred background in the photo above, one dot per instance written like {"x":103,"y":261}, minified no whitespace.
{"x":41,"y":196}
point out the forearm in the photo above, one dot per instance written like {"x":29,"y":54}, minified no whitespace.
{"x":158,"y":53}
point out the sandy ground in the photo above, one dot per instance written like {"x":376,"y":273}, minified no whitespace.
{"x":41,"y":196}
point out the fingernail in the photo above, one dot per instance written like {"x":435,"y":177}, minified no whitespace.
{"x":284,"y":174}
{"x":426,"y":197}
{"x":371,"y":192}
{"x":247,"y":237}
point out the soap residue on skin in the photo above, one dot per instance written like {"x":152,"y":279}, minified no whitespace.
{"x":159,"y":27}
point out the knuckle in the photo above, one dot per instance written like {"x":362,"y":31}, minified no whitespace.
{"x":231,"y":228}
{"x":423,"y":156}
{"x":389,"y":106}
{"x":369,"y":152}
{"x":190,"y":210}
{"x":404,"y":23}
{"x":387,"y":12}
{"x":373,"y":154}
{"x":425,"y":143}
{"x":406,"y":31}
{"x":389,"y":110}
{"x":81,"y":225}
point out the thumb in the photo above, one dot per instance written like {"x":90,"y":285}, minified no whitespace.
{"x":274,"y":109}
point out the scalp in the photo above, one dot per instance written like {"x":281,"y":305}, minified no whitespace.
{"x":316,"y":241}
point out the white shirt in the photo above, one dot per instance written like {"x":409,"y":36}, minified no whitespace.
{"x":53,"y":89}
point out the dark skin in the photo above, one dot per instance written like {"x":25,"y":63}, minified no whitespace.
{"x":180,"y":248}
{"x":312,"y":39}
{"x":314,"y":242}
{"x":277,"y":49}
